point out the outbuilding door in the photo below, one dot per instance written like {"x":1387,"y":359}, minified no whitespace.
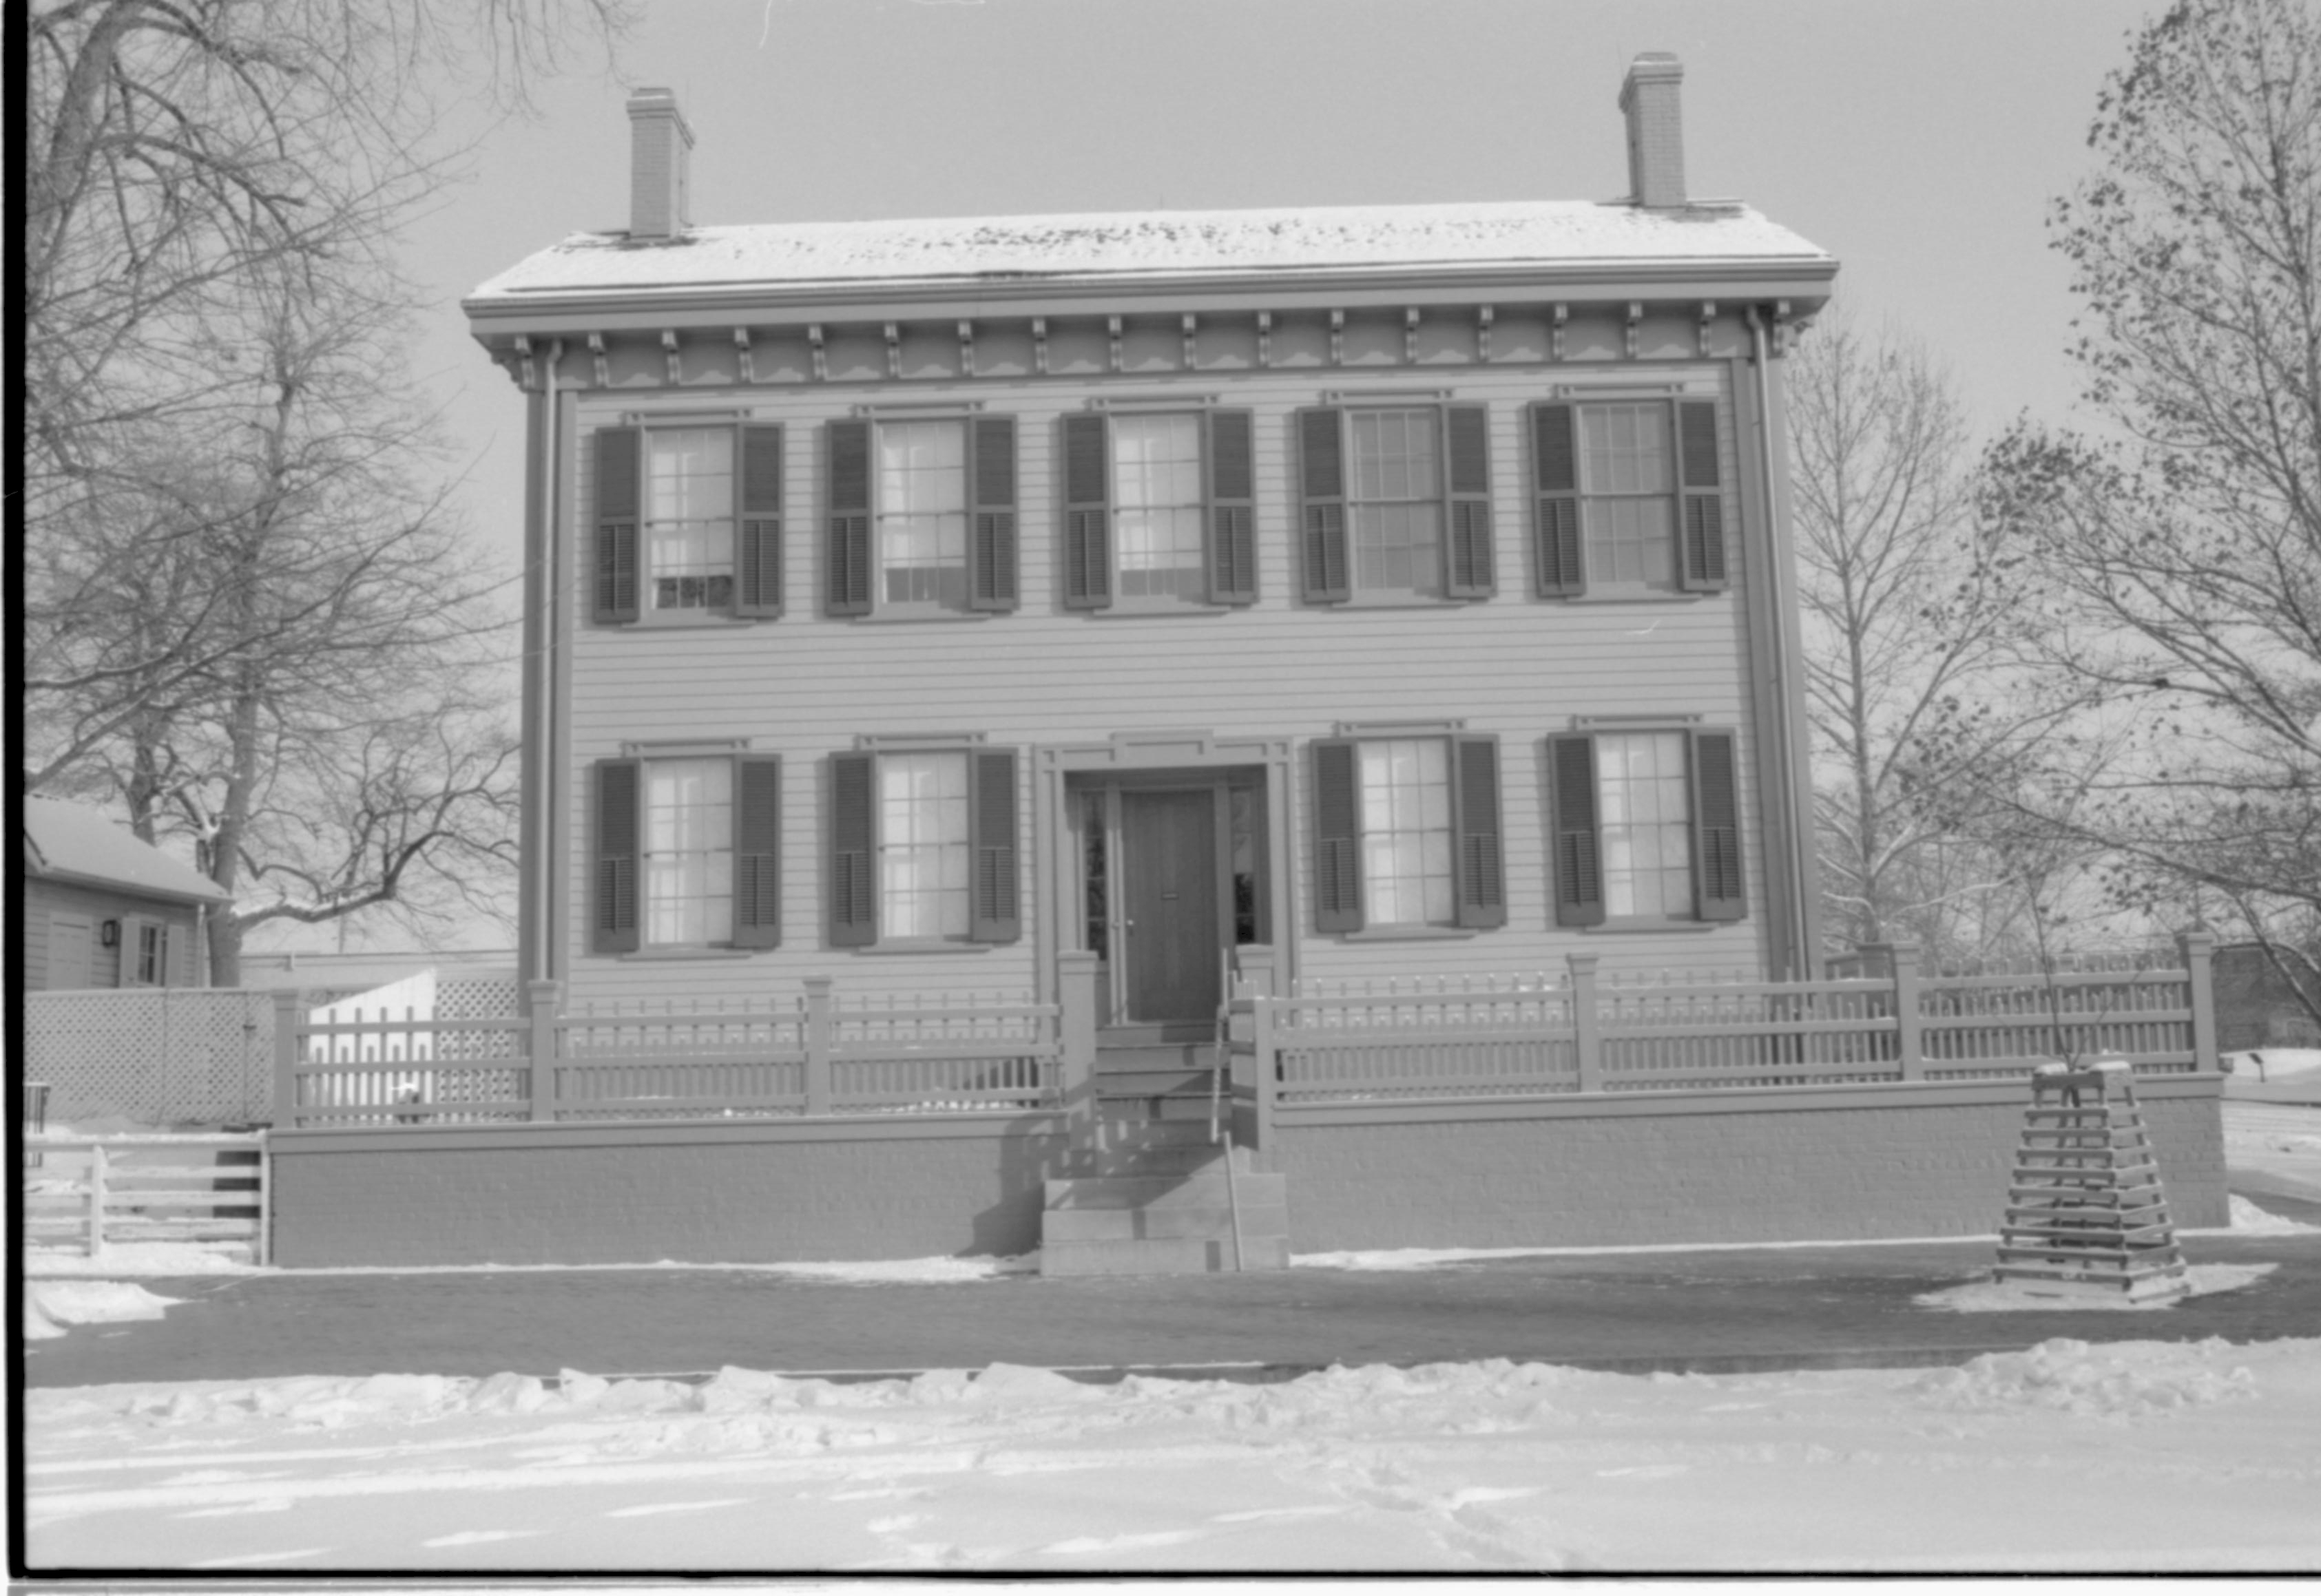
{"x":1170,"y":921}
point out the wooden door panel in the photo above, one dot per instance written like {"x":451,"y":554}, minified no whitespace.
{"x":1170,"y":899}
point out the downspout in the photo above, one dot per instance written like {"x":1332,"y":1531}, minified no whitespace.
{"x":551,"y":579}
{"x":1801,"y":954}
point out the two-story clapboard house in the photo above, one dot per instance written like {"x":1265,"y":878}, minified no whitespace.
{"x":990,"y":606}
{"x":1403,"y":589}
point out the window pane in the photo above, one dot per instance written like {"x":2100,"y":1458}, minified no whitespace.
{"x":1396,"y":512}
{"x":689,"y":851}
{"x":922,"y":853}
{"x":1647,"y":824}
{"x":923,"y":513}
{"x":1156,"y":467}
{"x":1407,"y":831}
{"x":689,"y":517}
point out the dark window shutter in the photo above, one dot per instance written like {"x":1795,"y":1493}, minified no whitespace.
{"x":1337,"y":837}
{"x":1555,"y":479}
{"x":1467,"y":503}
{"x":1087,"y":512}
{"x":1700,"y":507}
{"x":620,"y":468}
{"x":757,"y":523}
{"x":853,"y":851}
{"x":991,"y":498}
{"x":1716,"y":827}
{"x":846,"y":579}
{"x":619,"y":799}
{"x":1578,"y":845}
{"x":1479,"y":862}
{"x":1233,"y":507}
{"x":1322,"y":477}
{"x":758,"y":852}
{"x":995,"y":908}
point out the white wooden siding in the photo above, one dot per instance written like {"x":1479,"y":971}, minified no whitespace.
{"x":806,"y":685}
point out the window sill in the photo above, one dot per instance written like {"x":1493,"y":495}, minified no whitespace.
{"x":1147,"y":604}
{"x":1412,"y":934}
{"x":927,"y":945}
{"x":686,"y":620}
{"x":919,"y":617}
{"x":687,"y":954}
{"x":1616,"y":928}
{"x":1396,"y":601}
{"x":1636,"y":595}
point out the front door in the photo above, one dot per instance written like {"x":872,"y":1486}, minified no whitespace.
{"x":1168,"y":901}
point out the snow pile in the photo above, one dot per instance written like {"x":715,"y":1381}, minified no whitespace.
{"x":129,"y":1260}
{"x":2120,"y":1382}
{"x":2270,"y":1064}
{"x":2249,"y":1220}
{"x":2014,"y":1462}
{"x":97,"y":1302}
{"x":1997,"y":1296}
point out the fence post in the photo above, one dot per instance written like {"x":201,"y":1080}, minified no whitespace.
{"x":96,"y":1200}
{"x":2197,"y":946}
{"x":817,"y":1044}
{"x":1076,"y":1034}
{"x":541,"y":999}
{"x":285,"y":1059}
{"x":1586,"y":1047}
{"x":1268,"y":1070}
{"x":1898,"y":963}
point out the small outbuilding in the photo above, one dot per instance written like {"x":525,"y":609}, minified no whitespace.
{"x":104,"y":908}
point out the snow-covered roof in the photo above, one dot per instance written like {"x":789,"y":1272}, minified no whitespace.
{"x":1163,"y":244}
{"x":72,"y":840}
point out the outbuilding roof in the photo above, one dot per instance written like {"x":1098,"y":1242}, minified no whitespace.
{"x":75,"y":842}
{"x":1130,"y":245}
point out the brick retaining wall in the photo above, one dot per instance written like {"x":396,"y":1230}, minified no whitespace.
{"x":1701,"y":1169}
{"x":1785,"y":1164}
{"x":637,"y":1194}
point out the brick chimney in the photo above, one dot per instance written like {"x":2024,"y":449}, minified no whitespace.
{"x":1649,"y":99}
{"x":660,"y":162}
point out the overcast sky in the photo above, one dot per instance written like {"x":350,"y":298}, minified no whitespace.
{"x":1918,"y":140}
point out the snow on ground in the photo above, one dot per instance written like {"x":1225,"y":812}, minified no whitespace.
{"x":1996,"y":1296}
{"x":2126,"y":1457}
{"x":2274,"y":1064}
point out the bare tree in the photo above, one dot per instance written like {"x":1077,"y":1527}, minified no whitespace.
{"x":1916,"y":684}
{"x":2182,"y":544}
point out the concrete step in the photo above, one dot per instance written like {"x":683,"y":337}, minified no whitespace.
{"x":1206,"y":1188}
{"x":1186,"y":1255}
{"x":1132,"y":1084}
{"x":1156,"y":1224}
{"x":1170,"y":1162}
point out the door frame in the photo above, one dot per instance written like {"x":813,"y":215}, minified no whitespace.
{"x":1171,"y":759}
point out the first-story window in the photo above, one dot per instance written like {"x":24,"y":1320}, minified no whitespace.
{"x":687,"y":853}
{"x":1406,"y":823}
{"x":1646,"y":821}
{"x":1630,"y":496}
{"x":1407,"y":833}
{"x":1647,"y":827}
{"x":922,"y":852}
{"x":923,"y":847}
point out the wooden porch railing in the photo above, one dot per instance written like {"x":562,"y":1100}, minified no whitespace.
{"x":815,"y":1054}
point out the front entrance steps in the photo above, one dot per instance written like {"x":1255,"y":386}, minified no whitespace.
{"x":1154,"y":1069}
{"x":1151,"y":1197}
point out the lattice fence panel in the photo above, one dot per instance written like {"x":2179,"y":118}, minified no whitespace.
{"x":170,"y":1057}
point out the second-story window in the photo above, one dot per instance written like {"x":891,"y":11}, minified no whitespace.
{"x":1396,"y":502}
{"x":1157,"y":517}
{"x":1629,"y":498}
{"x":922,"y":544}
{"x":921,"y":516}
{"x":690,"y":518}
{"x":1626,"y":487}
